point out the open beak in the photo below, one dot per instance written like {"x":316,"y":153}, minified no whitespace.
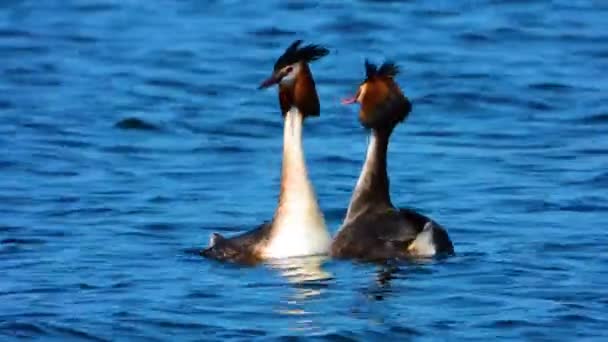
{"x":349,"y":100}
{"x":270,"y":81}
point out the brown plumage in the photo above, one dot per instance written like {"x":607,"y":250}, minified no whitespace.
{"x":302,"y":93}
{"x":381,"y":99}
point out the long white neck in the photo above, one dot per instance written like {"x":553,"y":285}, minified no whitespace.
{"x":372,"y":189}
{"x":298,"y":226}
{"x":297,"y":192}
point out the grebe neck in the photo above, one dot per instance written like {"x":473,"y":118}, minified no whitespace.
{"x":372,"y":189}
{"x":298,"y":226}
{"x":296,"y":190}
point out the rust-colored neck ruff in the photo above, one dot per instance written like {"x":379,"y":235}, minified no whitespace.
{"x":301,"y":93}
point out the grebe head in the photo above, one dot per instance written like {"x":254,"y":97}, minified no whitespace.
{"x":383,"y":104}
{"x":296,"y":85}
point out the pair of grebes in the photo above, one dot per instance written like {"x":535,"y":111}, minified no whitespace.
{"x":373,"y":229}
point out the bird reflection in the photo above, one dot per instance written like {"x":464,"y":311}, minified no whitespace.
{"x":390,"y":269}
{"x":382,"y":285}
{"x":307,"y":277}
{"x":384,"y":275}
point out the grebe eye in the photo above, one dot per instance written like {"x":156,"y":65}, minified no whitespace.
{"x":288,"y":69}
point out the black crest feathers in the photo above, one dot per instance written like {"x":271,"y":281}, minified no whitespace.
{"x":294,"y":53}
{"x":387,"y":69}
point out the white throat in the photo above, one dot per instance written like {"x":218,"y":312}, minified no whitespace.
{"x":290,"y":78}
{"x":298,"y":227}
{"x":365,"y":175}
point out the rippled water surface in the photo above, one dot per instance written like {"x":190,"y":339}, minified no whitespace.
{"x":130,"y":130}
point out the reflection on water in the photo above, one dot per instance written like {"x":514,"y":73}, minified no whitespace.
{"x":300,"y":270}
{"x":384,"y":275}
{"x":307,"y":277}
{"x":380,"y":286}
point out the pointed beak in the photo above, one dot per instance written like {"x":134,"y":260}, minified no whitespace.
{"x":273,"y":79}
{"x":350,"y":100}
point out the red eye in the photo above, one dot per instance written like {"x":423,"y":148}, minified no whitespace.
{"x":288,"y":69}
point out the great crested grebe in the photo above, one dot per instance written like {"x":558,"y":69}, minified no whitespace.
{"x":374,"y":229}
{"x":298,"y":227}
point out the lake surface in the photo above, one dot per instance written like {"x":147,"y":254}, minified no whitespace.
{"x":130,"y":130}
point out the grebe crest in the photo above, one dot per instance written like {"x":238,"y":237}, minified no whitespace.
{"x":383,"y":104}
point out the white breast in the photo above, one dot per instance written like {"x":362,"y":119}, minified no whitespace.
{"x":297,"y":235}
{"x":298,"y":228}
{"x":424,"y":245}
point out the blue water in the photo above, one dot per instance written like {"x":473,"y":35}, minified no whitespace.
{"x":131,"y":130}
